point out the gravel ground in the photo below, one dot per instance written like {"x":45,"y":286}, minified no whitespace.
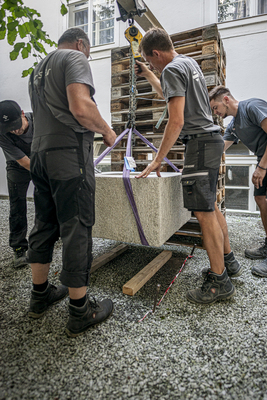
{"x":183,"y":351}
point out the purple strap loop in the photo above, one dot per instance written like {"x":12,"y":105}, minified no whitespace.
{"x":129,"y":191}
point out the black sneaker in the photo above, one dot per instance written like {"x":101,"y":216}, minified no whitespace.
{"x":19,"y":258}
{"x":40,"y":301}
{"x":92,"y":313}
{"x":257,"y":254}
{"x":232,"y":266}
{"x":260,"y":270}
{"x":215,"y":287}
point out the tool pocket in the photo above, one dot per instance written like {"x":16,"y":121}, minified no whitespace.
{"x":213,"y":151}
{"x":197,"y":194}
{"x":62,"y":164}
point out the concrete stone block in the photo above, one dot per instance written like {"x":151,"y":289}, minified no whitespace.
{"x":159,"y":202}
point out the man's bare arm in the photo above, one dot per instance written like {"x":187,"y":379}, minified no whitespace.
{"x":171,"y":134}
{"x":227,"y":144}
{"x":260,"y":173}
{"x":86,"y":112}
{"x":24,"y":162}
{"x":150,"y":77}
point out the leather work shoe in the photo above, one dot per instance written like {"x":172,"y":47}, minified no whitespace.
{"x":40,"y":301}
{"x":92,"y":313}
{"x":257,"y":254}
{"x":215,"y":287}
{"x":232,"y":266}
{"x":19,"y":258}
{"x":260,"y":270}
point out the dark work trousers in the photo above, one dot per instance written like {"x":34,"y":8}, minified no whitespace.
{"x":18,"y":180}
{"x":64,"y":206}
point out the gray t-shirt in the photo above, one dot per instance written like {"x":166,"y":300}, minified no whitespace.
{"x":183,"y":77}
{"x":16,"y":147}
{"x":63,"y":68}
{"x":246,"y":126}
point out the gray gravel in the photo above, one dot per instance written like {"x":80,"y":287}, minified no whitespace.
{"x":183,"y":351}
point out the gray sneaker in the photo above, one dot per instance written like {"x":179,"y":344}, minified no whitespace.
{"x":232,"y":266}
{"x":40,"y":301}
{"x":19,"y":258}
{"x":260,"y":270}
{"x":257,"y":254}
{"x":92,"y":313}
{"x":215,"y":287}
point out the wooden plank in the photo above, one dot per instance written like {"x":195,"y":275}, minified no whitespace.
{"x":105,"y":258}
{"x":134,"y":284}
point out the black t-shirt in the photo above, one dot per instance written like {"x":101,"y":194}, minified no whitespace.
{"x":16,"y":147}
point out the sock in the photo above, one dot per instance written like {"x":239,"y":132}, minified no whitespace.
{"x":78,"y":302}
{"x":40,"y":288}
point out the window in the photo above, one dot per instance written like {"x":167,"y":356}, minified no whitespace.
{"x":262,"y":7}
{"x":103,"y":22}
{"x":96,"y":18}
{"x":237,"y":187}
{"x":229,"y":10}
{"x":81,"y":16}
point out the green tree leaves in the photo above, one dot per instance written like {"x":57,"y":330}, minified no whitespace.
{"x":20,"y":22}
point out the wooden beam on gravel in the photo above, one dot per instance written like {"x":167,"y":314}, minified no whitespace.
{"x":134,"y":284}
{"x":105,"y":258}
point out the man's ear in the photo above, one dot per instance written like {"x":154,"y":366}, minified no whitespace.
{"x":225,"y":100}
{"x":79,"y":44}
{"x":22,"y":113}
{"x":155,"y":53}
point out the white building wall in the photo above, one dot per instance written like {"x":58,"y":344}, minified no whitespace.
{"x":244,"y":42}
{"x":13,"y":86}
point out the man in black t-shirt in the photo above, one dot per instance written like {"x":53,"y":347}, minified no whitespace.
{"x":16,"y":131}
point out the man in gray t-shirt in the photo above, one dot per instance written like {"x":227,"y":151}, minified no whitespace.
{"x":183,"y":86}
{"x":249,"y":124}
{"x":65,"y":119}
{"x":16,"y":132}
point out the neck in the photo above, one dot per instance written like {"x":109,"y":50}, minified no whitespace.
{"x":234,"y":108}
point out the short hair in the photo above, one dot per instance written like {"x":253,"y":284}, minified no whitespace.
{"x":155,"y":39}
{"x":219,"y":91}
{"x":72,"y":35}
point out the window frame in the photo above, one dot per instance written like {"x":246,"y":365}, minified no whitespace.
{"x":253,"y":11}
{"x":89,"y":7}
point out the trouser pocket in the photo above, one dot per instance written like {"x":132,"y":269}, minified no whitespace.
{"x":197,"y":193}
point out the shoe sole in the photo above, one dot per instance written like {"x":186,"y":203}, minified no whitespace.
{"x":214,"y":301}
{"x":258,"y":274}
{"x":238,"y":273}
{"x":72,"y":334}
{"x":255,"y":257}
{"x":17,"y":266}
{"x":36,"y":316}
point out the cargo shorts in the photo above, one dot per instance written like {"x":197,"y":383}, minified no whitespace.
{"x":200,"y":173}
{"x":262,"y":191}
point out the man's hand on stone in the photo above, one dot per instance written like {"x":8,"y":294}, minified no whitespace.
{"x":154,"y":166}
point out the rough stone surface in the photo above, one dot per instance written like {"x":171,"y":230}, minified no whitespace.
{"x":183,"y":351}
{"x":159,"y":203}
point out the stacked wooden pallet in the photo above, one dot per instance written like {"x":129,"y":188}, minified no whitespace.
{"x":202,"y":44}
{"x":205,"y":46}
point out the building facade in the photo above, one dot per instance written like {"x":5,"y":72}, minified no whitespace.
{"x":243,"y":28}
